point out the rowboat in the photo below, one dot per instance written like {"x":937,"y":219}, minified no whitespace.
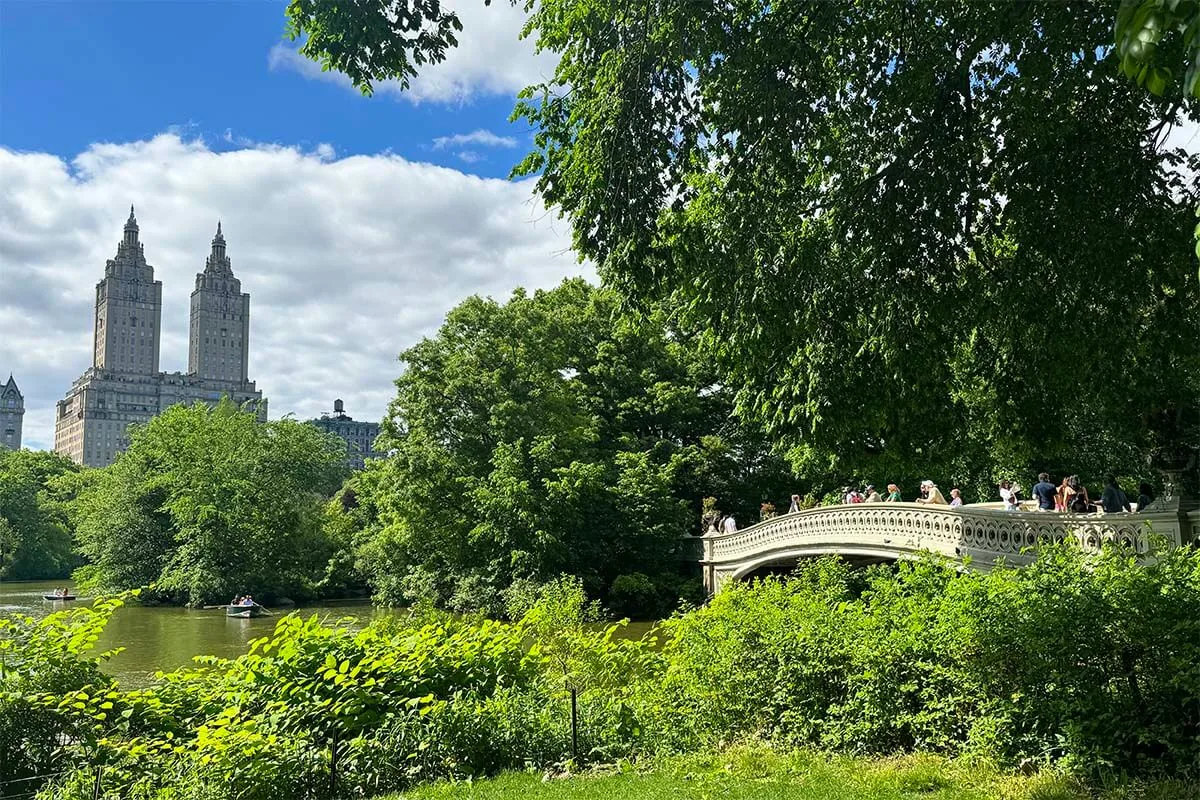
{"x":58,"y":597}
{"x":245,"y":612}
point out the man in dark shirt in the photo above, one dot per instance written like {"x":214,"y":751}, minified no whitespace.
{"x":1113,"y":499}
{"x":1044,"y":491}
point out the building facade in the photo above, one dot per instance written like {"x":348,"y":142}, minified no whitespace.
{"x":12,"y":412}
{"x":358,"y":436}
{"x":124,"y":385}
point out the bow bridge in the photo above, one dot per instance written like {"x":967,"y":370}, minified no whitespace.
{"x":877,"y":532}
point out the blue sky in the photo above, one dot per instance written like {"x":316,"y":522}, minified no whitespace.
{"x":72,"y":74}
{"x":355,"y":224}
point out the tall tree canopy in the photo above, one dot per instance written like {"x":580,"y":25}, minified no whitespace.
{"x":943,"y":236}
{"x":546,"y":435}
{"x":35,"y":533}
{"x":206,"y":503}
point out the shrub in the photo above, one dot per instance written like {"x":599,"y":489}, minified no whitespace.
{"x":1088,"y":660}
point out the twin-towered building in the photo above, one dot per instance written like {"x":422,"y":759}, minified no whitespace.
{"x":124,"y":384}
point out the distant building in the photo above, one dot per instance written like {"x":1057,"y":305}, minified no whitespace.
{"x":358,"y":436}
{"x":12,"y":411}
{"x":124,"y":385}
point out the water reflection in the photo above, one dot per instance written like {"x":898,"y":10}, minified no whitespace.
{"x":163,"y":638}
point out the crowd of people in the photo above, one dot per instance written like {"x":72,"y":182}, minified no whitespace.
{"x":1072,"y":495}
{"x":1069,"y":495}
{"x":928,"y":493}
{"x":243,"y":601}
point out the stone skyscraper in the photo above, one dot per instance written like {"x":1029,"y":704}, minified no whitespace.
{"x":128,"y":310}
{"x":219,"y":339}
{"x":124,"y":385}
{"x":12,"y":410}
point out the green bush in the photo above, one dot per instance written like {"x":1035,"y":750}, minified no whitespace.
{"x":1088,"y":662}
{"x":1091,"y":661}
{"x":37,"y":657}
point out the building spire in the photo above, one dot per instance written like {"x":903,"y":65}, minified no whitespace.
{"x":131,"y":228}
{"x":218,"y":262}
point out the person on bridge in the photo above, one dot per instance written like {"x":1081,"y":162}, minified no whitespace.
{"x":729,"y":525}
{"x":1079,"y":502}
{"x":1112,"y":499}
{"x":1008,"y":496}
{"x":872,"y":495}
{"x":1062,"y":497}
{"x":1145,"y":496}
{"x":893,"y":493}
{"x":933,"y":495}
{"x":1045,"y":492}
{"x":795,"y":506}
{"x":956,"y":500}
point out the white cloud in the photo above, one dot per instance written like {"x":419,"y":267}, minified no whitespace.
{"x":481,"y":137}
{"x":347,"y":262}
{"x":490,"y":59}
{"x":469,"y":156}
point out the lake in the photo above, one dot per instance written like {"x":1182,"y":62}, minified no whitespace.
{"x":163,"y":638}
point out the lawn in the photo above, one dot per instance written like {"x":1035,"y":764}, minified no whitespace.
{"x":757,"y":773}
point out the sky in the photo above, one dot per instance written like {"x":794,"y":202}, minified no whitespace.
{"x":354,"y":223}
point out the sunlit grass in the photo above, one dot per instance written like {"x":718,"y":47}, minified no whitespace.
{"x":759,"y":773}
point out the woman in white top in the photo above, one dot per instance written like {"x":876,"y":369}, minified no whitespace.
{"x":1009,"y":497}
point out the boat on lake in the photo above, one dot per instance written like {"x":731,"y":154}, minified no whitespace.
{"x":58,"y":597}
{"x":245,"y":612}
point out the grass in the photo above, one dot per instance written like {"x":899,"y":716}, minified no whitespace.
{"x":759,"y":773}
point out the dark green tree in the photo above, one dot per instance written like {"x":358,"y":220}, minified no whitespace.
{"x":35,"y":533}
{"x":549,"y":434}
{"x":939,"y":238}
{"x":1159,"y":39}
{"x":206,"y":503}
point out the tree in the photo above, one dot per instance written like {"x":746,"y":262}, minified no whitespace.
{"x":936,"y":238}
{"x":35,"y":534}
{"x":547,"y":435}
{"x":207,"y":503}
{"x":1146,"y":29}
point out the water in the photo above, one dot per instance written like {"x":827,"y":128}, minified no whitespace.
{"x":163,"y":638}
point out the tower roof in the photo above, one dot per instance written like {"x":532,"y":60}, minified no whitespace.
{"x":132,"y":221}
{"x":11,"y":385}
{"x":218,"y":262}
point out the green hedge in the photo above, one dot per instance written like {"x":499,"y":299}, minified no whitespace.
{"x":1089,"y":663}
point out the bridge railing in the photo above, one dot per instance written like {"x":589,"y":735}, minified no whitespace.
{"x":984,"y":534}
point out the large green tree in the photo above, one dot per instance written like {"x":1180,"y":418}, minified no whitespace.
{"x":549,"y":434}
{"x":942,"y":237}
{"x":35,"y":533}
{"x":206,"y":503}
